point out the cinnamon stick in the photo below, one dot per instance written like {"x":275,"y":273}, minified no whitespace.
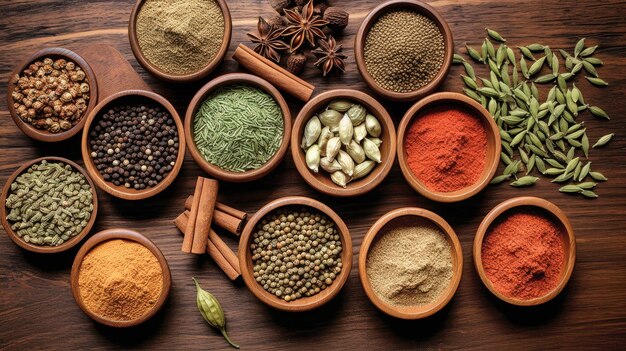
{"x":273,"y":73}
{"x":224,"y":216}
{"x":212,"y":249}
{"x":193,"y":215}
{"x":204,"y":217}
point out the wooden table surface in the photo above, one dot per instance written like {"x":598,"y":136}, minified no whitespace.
{"x":37,"y":310}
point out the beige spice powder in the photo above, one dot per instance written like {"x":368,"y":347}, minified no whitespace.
{"x":180,"y":37}
{"x":410,"y":265}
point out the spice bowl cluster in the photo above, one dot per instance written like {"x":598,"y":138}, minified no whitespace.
{"x":295,"y":253}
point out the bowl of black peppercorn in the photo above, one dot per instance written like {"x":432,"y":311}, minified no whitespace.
{"x":133,"y":144}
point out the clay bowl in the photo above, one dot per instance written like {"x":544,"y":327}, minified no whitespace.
{"x":557,"y":216}
{"x":121,"y":191}
{"x":40,"y":248}
{"x":305,"y":303}
{"x":493,"y":145}
{"x":41,"y":134}
{"x":125,"y":234}
{"x":321,"y":181}
{"x":198,"y":99}
{"x":408,"y":216}
{"x":423,"y":9}
{"x":179,"y":78}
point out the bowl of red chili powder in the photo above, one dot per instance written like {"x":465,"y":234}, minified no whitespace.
{"x":448,"y":147}
{"x":525,"y":250}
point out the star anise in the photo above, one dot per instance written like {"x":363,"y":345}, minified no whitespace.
{"x":329,"y":56}
{"x":268,"y":40}
{"x":303,"y":26}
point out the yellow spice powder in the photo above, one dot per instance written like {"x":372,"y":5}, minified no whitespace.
{"x":120,"y":280}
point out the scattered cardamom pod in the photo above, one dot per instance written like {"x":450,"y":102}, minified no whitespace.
{"x":525,"y":181}
{"x":211,"y":311}
{"x":603,"y":140}
{"x":499,"y":179}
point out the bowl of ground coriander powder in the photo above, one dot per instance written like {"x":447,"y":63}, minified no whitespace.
{"x":404,"y":49}
{"x":180,"y":41}
{"x":410,"y":263}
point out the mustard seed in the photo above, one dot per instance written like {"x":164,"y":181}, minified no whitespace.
{"x":403,"y":51}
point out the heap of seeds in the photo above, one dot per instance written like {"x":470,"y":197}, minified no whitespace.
{"x":49,"y":203}
{"x":238,"y":128}
{"x":134,"y":145}
{"x":296,"y":253}
{"x":404,"y":51}
{"x":545,"y":134}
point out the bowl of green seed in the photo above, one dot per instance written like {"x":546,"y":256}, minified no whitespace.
{"x":404,"y":50}
{"x":48,"y":205}
{"x":237,"y":127}
{"x":295,"y":254}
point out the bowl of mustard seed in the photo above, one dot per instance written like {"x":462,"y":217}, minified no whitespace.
{"x":180,"y":41}
{"x":404,"y":50}
{"x":51,"y":93}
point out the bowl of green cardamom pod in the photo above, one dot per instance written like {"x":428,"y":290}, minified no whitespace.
{"x":343,"y":143}
{"x":48,"y":205}
{"x":237,"y":127}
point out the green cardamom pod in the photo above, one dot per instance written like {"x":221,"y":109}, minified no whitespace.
{"x":597,"y":81}
{"x":570,"y":189}
{"x":589,"y":194}
{"x":499,"y":179}
{"x":603,"y":140}
{"x":587,"y":185}
{"x":536,"y":66}
{"x":340,"y":105}
{"x":456,"y":59}
{"x":332,"y":147}
{"x":494,"y":35}
{"x":330,"y":118}
{"x":597,"y":176}
{"x":580,"y":45}
{"x":313,"y":157}
{"x":371,"y":150}
{"x":525,"y":181}
{"x":340,"y":178}
{"x":360,"y":132}
{"x":312,"y":131}
{"x":346,"y":130}
{"x":373,"y":126}
{"x":598,"y":112}
{"x":363,"y":169}
{"x":211,"y":311}
{"x":536,"y":47}
{"x":330,"y":166}
{"x":526,"y":52}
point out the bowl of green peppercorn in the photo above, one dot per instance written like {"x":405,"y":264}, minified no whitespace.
{"x":295,"y":254}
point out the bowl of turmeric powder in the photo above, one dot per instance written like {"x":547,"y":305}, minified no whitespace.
{"x":120,"y":278}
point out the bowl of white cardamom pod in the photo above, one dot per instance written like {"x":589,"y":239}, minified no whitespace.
{"x":343,"y":143}
{"x":48,"y":205}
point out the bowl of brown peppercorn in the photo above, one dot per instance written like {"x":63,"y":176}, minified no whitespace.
{"x":133,"y":144}
{"x":295,"y":254}
{"x":404,"y":50}
{"x":51,"y":93}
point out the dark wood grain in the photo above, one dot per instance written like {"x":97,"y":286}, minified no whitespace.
{"x":37,"y":310}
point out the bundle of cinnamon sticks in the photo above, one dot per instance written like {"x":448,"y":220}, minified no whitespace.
{"x":201,"y":212}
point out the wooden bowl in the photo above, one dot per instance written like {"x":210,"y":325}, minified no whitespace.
{"x":557,"y":216}
{"x":41,"y":248}
{"x":121,"y":191}
{"x":423,"y":9}
{"x":41,"y":134}
{"x":179,"y":78}
{"x":305,"y":303}
{"x":198,"y":99}
{"x":125,"y":234}
{"x":493,"y":146}
{"x":407,"y":216}
{"x":321,"y":181}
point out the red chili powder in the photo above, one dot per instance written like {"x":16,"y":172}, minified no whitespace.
{"x":523,"y":255}
{"x":446,"y":148}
